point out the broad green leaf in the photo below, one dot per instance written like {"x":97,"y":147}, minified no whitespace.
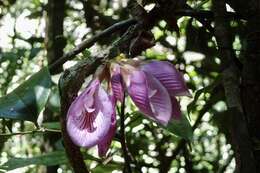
{"x":181,"y":128}
{"x":52,"y":125}
{"x":49,"y":159}
{"x":27,"y":100}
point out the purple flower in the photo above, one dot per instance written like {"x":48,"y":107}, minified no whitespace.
{"x":149,"y":95}
{"x":91,"y":118}
{"x":171,"y":79}
{"x":152,"y":87}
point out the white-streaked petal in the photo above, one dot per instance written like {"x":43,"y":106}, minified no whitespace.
{"x":89,"y":116}
{"x":168,"y":75}
{"x":84,"y":137}
{"x":160,"y":100}
{"x":138,"y":91}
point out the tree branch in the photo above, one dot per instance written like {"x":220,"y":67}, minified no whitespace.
{"x":54,"y":39}
{"x":41,"y":130}
{"x":206,"y":14}
{"x":89,"y":42}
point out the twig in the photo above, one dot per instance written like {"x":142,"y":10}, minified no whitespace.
{"x":42,"y":130}
{"x":89,"y":42}
{"x":127,"y":167}
{"x":188,"y":161}
{"x":206,"y":14}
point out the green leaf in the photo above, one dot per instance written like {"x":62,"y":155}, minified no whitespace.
{"x":52,"y":125}
{"x":49,"y":159}
{"x":86,"y":53}
{"x":107,"y":168}
{"x":34,"y":52}
{"x":181,"y":128}
{"x":207,"y":89}
{"x":27,"y":100}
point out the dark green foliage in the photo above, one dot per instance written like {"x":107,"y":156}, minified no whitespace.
{"x":27,"y":100}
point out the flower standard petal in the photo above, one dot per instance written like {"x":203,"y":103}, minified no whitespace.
{"x":87,"y":120}
{"x":169,"y":76}
{"x":159,"y":100}
{"x":137,"y":88}
{"x":149,"y":95}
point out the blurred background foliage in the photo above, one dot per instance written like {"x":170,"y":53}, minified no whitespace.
{"x":30,"y":39}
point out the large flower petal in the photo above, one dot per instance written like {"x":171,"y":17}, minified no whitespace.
{"x":138,"y":90}
{"x":104,"y":103}
{"x":149,"y":95}
{"x":89,"y":116}
{"x":116,"y":83}
{"x":159,"y":100}
{"x":169,"y":76}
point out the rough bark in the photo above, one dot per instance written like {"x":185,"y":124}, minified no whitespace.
{"x":251,"y":80}
{"x":251,"y":70}
{"x":54,"y":39}
{"x":54,"y":45}
{"x":241,"y":142}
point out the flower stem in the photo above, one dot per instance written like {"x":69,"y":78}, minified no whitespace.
{"x":127,"y":168}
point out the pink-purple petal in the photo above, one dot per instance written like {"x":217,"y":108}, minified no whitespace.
{"x":84,"y":137}
{"x":89,"y":116}
{"x":104,"y":103}
{"x":138,"y":91}
{"x":169,"y":76}
{"x":160,"y":101}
